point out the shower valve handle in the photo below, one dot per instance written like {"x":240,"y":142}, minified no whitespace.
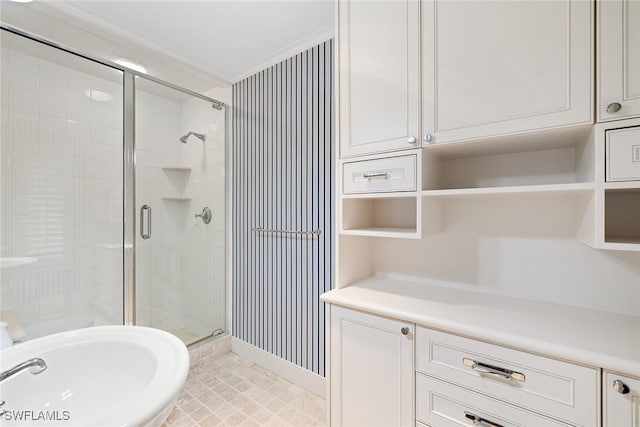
{"x":205,"y":215}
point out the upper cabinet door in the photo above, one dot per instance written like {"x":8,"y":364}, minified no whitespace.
{"x":379,"y":75}
{"x":618,"y":59}
{"x":495,"y":68}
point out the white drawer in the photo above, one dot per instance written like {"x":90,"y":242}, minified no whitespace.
{"x":561,"y":389}
{"x":623,"y":154}
{"x":442,"y":404}
{"x":380,"y":175}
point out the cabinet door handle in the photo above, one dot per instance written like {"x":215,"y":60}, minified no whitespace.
{"x":404,"y":331}
{"x":371,"y":175}
{"x":496,"y":371}
{"x":427,"y":137}
{"x":481,"y":421}
{"x":614,"y":107}
{"x":411,"y":140}
{"x":620,"y":387}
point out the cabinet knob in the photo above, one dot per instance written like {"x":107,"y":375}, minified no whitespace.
{"x":614,"y":107}
{"x":620,"y":387}
{"x":411,"y":140}
{"x":404,"y":331}
{"x":427,"y":137}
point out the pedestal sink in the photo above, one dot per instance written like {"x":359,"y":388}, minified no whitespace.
{"x":98,"y":376}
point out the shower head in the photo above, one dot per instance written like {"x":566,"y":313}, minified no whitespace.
{"x":202,"y":137}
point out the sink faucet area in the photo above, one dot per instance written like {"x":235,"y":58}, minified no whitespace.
{"x":35,"y":365}
{"x":97,"y":376}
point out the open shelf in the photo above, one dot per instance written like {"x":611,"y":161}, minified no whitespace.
{"x":622,"y":219}
{"x":399,"y":233}
{"x":552,"y":169}
{"x":578,"y":187}
{"x":381,"y":217}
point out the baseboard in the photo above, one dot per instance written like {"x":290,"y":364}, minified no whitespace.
{"x":308,"y":380}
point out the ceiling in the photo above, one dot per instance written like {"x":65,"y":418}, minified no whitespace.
{"x":228,"y":39}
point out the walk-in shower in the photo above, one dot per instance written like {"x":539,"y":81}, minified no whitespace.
{"x":82,"y":175}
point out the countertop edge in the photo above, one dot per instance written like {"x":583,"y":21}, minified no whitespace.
{"x":591,"y":359}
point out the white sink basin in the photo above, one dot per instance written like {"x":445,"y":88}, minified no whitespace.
{"x":98,"y":376}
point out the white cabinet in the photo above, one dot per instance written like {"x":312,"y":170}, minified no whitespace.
{"x":389,"y":174}
{"x":498,"y":67}
{"x":623,"y":154}
{"x":446,"y":405}
{"x":557,"y":389}
{"x":378,"y":76}
{"x":618,"y":59}
{"x":621,"y":400}
{"x":617,"y":196}
{"x":371,"y":370}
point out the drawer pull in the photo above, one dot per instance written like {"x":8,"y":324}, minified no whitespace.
{"x":481,"y":421}
{"x":483,"y":368}
{"x":620,"y":387}
{"x":371,"y":175}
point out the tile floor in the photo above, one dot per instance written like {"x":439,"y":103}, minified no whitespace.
{"x":224,"y":389}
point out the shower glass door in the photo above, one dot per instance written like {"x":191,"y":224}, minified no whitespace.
{"x":180,"y":266}
{"x":61,"y":236}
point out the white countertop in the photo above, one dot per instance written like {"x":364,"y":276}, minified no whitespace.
{"x":595,"y":338}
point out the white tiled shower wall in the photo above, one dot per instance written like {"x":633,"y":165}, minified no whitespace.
{"x":61,"y":176}
{"x":61,"y":198}
{"x":181,"y":268}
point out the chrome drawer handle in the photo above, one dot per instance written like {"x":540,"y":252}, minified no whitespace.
{"x":483,"y":368}
{"x":480,"y":421}
{"x":371,"y":175}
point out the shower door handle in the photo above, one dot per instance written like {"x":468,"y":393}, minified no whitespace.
{"x":147,"y":209}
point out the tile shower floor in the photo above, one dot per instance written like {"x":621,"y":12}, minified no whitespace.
{"x":228,"y":390}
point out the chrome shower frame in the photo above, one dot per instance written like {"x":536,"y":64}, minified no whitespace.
{"x":129,"y":166}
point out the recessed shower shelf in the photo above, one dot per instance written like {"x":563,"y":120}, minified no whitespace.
{"x":177,"y":198}
{"x":177,"y":168}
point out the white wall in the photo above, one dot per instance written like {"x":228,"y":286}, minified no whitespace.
{"x":521,"y":246}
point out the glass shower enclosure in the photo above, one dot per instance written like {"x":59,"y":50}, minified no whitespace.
{"x":180,"y":203}
{"x":102,"y":173}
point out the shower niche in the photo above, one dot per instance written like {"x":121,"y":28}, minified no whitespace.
{"x":178,"y":177}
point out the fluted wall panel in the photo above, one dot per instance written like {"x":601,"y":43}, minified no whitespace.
{"x":283,"y":143}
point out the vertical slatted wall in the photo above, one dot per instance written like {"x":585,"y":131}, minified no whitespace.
{"x":283,"y":143}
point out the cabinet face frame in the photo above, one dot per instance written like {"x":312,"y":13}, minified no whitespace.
{"x":406,"y":123}
{"x":579,"y":79}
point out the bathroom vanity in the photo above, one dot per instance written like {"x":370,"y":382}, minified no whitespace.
{"x":488,"y":266}
{"x":400,"y":348}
